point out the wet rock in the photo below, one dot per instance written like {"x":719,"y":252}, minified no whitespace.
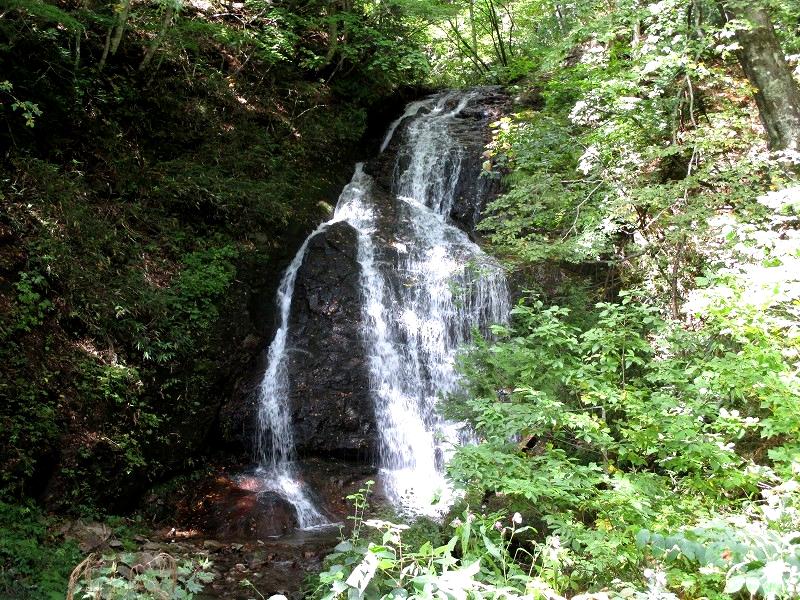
{"x":475,"y":186}
{"x":232,"y":509}
{"x":212,"y":545}
{"x":125,"y":571}
{"x":329,"y":393}
{"x":251,"y":342}
{"x":276,"y":565}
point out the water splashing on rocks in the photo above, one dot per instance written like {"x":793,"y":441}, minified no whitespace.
{"x":425,"y":287}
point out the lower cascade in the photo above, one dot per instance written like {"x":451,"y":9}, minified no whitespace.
{"x":423,"y":288}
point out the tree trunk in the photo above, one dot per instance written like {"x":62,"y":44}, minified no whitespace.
{"x":560,"y":19}
{"x":764,"y":64}
{"x":106,"y":47}
{"x":472,"y":52}
{"x":472,"y":27}
{"x":497,"y":33}
{"x":637,"y":33}
{"x":77,"y":63}
{"x":333,"y":32}
{"x":124,"y":12}
{"x":169,"y":13}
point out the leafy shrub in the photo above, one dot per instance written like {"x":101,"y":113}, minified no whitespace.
{"x":32,"y":304}
{"x":138,"y":577}
{"x":478,"y":561}
{"x":34,"y":563}
{"x":594,"y":426}
{"x":757,"y":550}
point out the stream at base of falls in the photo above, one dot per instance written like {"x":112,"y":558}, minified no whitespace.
{"x":423,"y":286}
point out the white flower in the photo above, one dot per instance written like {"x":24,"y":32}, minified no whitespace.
{"x":517,"y":518}
{"x":588,"y":159}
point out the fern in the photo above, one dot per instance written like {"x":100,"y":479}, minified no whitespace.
{"x":43,"y":11}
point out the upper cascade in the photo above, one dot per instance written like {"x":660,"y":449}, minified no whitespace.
{"x":428,"y":164}
{"x":375,"y":308}
{"x":432,"y":288}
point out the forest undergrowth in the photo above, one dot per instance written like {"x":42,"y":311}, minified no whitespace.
{"x":159,"y":162}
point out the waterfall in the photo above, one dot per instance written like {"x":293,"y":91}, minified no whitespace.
{"x":414,"y":330}
{"x":434,"y":159}
{"x":425,"y":287}
{"x":410,"y":111}
{"x":275,"y":442}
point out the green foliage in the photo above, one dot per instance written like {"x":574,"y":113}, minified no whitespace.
{"x":29,"y":421}
{"x":140,"y":577}
{"x":44,"y":11}
{"x":633,"y":421}
{"x":594,"y":426}
{"x":755,"y":550}
{"x":34,"y":563}
{"x":478,"y":561}
{"x":29,"y":109}
{"x":669,"y":407}
{"x":32,"y":304}
{"x":634,"y":143}
{"x":206,"y":275}
{"x":149,"y":203}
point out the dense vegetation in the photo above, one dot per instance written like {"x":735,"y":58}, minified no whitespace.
{"x":157,"y":157}
{"x":159,"y":162}
{"x":640,"y":414}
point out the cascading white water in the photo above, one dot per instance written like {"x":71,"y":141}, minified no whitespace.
{"x":276,"y":448}
{"x":422,"y":298}
{"x":410,"y":111}
{"x":414,"y":330}
{"x":434,"y":159}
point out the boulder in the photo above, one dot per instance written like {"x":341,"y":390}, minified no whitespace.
{"x":237,"y":508}
{"x":329,"y":385}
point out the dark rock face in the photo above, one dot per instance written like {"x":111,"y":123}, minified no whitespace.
{"x":234,"y":502}
{"x":329,"y":385}
{"x":475,"y":187}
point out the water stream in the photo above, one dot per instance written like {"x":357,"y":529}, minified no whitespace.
{"x":276,"y":449}
{"x":423,"y":294}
